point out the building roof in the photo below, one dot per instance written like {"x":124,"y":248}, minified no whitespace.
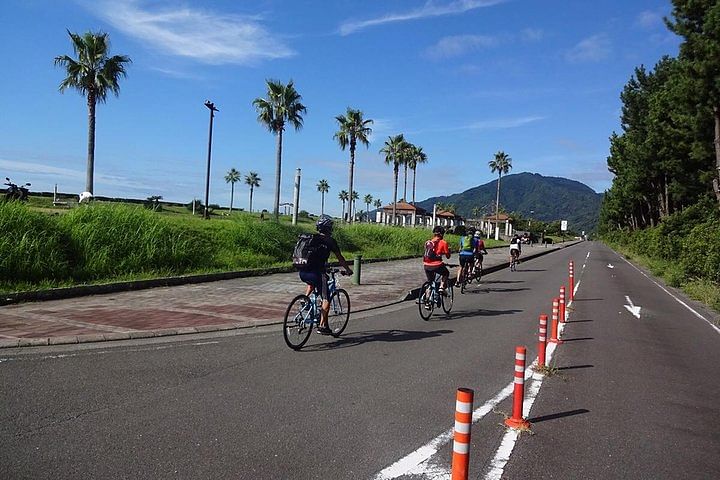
{"x":502,"y":217}
{"x":403,"y":206}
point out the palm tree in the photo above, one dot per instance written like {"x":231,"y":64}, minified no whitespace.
{"x":232,"y":177}
{"x":501,"y":164}
{"x":368,"y":200}
{"x":282,"y":105}
{"x":94,"y":75}
{"x":377,"y":203}
{"x":323,"y":187}
{"x":353,"y":129}
{"x":393,"y":151}
{"x":417,"y":157}
{"x":406,"y":156}
{"x":252,"y":180}
{"x":343,"y":195}
{"x":353,"y":199}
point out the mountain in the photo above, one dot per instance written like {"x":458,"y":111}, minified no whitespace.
{"x":549,"y":198}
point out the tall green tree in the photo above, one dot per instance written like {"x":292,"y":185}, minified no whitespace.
{"x":698,"y":22}
{"x":282,"y":105}
{"x":368,"y":200}
{"x":252,"y":180}
{"x":344,"y":197}
{"x":353,"y":198}
{"x":417,"y":157}
{"x":353,"y":128}
{"x":377,"y":203}
{"x":232,"y":177}
{"x":502,"y":163}
{"x":94,"y":74}
{"x":394,"y":152}
{"x":323,"y":187}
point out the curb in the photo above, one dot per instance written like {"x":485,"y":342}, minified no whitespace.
{"x":136,"y":334}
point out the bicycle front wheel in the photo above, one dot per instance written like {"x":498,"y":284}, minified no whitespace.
{"x":339,"y":312}
{"x":298,"y":322}
{"x":425,"y":302}
{"x":447,"y":299}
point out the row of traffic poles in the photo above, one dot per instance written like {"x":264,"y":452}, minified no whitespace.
{"x":464,"y":396}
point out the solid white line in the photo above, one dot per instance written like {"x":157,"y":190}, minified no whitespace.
{"x":715,"y":327}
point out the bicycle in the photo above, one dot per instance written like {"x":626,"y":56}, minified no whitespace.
{"x":430,"y":297}
{"x":514,"y":259}
{"x":303,"y":313}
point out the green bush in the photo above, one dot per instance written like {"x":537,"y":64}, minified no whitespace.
{"x":32,"y":245}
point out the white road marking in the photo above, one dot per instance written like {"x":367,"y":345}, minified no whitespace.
{"x":715,"y":327}
{"x":632,"y":308}
{"x":610,"y":265}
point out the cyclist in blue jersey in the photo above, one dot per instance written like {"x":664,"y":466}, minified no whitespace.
{"x":468,"y":247}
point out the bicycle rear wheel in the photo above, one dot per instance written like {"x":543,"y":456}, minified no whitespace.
{"x":298,"y":322}
{"x":425,"y":303}
{"x":339,"y":312}
{"x":447,"y":299}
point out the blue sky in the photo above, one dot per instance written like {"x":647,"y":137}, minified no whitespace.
{"x":538,"y":79}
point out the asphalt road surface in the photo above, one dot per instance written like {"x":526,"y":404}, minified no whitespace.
{"x":631,"y":397}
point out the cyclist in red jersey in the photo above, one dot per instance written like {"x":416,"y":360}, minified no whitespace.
{"x":435,"y":248}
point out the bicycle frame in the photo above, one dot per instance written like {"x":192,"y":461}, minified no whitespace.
{"x":312,"y":308}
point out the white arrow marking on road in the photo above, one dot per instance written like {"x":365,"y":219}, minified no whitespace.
{"x":610,"y":265}
{"x":632,"y":308}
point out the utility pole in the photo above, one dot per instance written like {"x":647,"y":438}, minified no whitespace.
{"x":212,"y":108}
{"x":296,"y":197}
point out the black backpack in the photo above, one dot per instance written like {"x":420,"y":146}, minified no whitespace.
{"x":310,"y":252}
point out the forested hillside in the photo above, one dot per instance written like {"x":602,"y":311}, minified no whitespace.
{"x":548,"y":198}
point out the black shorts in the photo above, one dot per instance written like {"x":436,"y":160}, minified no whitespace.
{"x":466,"y":259}
{"x":431,"y":271}
{"x":318,"y":279}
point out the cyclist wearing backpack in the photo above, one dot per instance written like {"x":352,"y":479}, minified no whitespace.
{"x":479,"y":250}
{"x":468,"y":246}
{"x":435,"y":248}
{"x":310,"y":256}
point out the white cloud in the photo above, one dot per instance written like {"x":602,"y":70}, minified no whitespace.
{"x":429,"y":9}
{"x":650,"y":19}
{"x":532,"y":34}
{"x":457,"y":45}
{"x":591,"y":49}
{"x":203,"y":36}
{"x":502,"y":123}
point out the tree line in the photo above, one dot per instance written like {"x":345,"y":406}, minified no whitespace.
{"x":667,"y":156}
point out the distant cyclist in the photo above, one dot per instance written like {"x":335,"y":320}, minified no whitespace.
{"x":468,"y":246}
{"x":479,"y":250}
{"x":314,"y":274}
{"x":515,"y":249}
{"x":435,"y":248}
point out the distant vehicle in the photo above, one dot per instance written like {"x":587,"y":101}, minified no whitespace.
{"x":16,"y":192}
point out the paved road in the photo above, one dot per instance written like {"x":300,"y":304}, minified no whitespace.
{"x":240,"y":404}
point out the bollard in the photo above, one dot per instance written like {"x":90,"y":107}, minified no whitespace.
{"x":356,"y":269}
{"x":461,"y":443}
{"x":554,"y":328}
{"x":571,"y":280}
{"x":561,"y":312}
{"x":542,"y":340}
{"x":517,"y":421}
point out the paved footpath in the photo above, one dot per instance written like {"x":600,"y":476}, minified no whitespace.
{"x":205,"y":307}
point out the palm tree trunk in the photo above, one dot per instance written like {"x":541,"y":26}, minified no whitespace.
{"x":413,"y":191}
{"x":343,"y":210}
{"x":367,"y":209}
{"x":352,"y":168}
{"x":396,"y":173}
{"x":251,"y":195}
{"x":232,"y":194}
{"x":322,"y":203}
{"x":89,"y":178}
{"x":278,"y":164}
{"x":497,"y":207}
{"x":405,"y":187}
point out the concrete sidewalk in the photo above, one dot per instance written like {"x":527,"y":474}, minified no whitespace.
{"x":206,"y":307}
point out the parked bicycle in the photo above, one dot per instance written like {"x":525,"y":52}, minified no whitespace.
{"x":303,"y":313}
{"x":16,"y":192}
{"x":431,"y":298}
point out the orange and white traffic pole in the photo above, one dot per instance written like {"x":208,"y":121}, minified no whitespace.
{"x":517,"y":420}
{"x":461,"y":443}
{"x":562,"y":304}
{"x":542,"y":340}
{"x":571,"y":280}
{"x":554,"y":328}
